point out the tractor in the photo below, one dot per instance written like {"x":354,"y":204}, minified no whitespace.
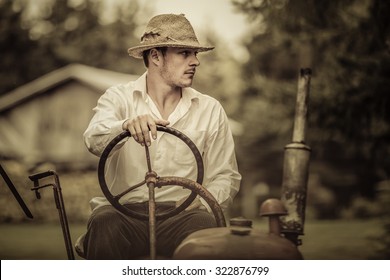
{"x":238,"y":240}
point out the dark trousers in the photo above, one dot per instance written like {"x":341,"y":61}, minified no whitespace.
{"x":113,"y":235}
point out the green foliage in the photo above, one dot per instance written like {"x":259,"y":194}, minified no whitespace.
{"x":346,"y":43}
{"x":60,"y":34}
{"x":219,"y":74}
{"x":15,"y":45}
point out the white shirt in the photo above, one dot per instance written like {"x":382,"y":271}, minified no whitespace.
{"x":198,"y":116}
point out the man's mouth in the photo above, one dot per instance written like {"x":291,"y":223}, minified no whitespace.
{"x":190,"y":72}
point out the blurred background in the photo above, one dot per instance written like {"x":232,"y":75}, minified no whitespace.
{"x":58,"y":57}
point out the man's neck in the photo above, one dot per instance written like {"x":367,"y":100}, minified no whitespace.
{"x":164,"y":96}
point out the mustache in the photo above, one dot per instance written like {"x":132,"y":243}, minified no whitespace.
{"x":191,"y":71}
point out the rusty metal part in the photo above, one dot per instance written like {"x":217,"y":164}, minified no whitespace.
{"x":301,"y":106}
{"x":240,"y":226}
{"x":236,"y":243}
{"x":58,"y":198}
{"x":296,"y":166}
{"x":273,"y":209}
{"x":240,"y":222}
{"x":240,"y":230}
{"x":151,"y":182}
{"x":147,"y":154}
{"x":152,"y":222}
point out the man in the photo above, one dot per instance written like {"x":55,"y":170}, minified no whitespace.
{"x":161,"y":96}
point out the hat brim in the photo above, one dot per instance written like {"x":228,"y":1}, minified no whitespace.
{"x":137,"y":51}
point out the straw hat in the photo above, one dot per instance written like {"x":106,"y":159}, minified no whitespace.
{"x":168,"y":30}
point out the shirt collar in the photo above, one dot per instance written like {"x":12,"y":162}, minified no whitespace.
{"x":189,"y":95}
{"x":140,"y":87}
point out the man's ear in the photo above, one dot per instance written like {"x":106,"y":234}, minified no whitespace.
{"x":155,"y":56}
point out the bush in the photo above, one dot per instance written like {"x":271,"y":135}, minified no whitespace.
{"x":362,"y":208}
{"x":77,"y":189}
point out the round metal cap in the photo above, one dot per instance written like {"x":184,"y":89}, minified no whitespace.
{"x":240,"y":222}
{"x":272,"y":207}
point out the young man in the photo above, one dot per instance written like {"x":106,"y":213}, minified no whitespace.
{"x":161,"y":96}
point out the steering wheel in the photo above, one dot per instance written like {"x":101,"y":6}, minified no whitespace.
{"x":153,"y":180}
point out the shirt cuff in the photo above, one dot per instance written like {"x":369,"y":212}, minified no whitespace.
{"x":117,"y":127}
{"x":124,"y":123}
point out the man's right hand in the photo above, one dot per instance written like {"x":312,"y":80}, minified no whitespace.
{"x":142,"y":127}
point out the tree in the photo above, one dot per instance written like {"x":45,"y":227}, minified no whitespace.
{"x":346,"y":43}
{"x":63,"y":33}
{"x":17,"y":50}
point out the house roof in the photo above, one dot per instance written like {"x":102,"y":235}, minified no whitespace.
{"x":100,"y":79}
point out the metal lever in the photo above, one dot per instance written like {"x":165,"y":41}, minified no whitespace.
{"x":296,"y":165}
{"x":16,"y":194}
{"x":59,"y":201}
{"x":151,"y":179}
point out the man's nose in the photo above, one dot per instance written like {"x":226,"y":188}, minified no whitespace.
{"x":194,"y":60}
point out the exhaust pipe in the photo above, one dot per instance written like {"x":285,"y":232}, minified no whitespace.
{"x":296,"y":166}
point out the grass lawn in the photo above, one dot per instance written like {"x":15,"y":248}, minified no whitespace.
{"x":324,"y":240}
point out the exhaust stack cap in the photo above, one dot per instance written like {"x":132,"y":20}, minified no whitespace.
{"x":272,"y":207}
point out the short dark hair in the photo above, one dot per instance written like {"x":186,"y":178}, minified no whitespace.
{"x":145,"y":54}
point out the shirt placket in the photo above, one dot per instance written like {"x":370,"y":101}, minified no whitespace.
{"x":160,"y":156}
{"x":156,"y":155}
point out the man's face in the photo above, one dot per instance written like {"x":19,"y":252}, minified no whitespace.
{"x":179,"y":66}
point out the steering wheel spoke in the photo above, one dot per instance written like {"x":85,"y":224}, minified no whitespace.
{"x":120,"y":195}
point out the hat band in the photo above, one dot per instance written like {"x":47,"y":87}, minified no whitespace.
{"x":156,"y":38}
